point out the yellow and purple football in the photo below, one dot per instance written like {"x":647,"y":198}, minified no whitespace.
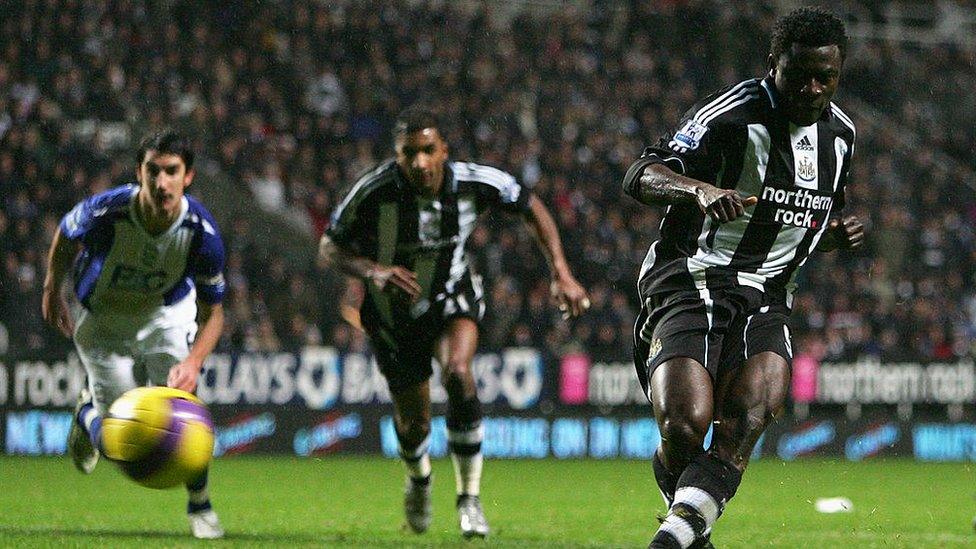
{"x":160,"y":437}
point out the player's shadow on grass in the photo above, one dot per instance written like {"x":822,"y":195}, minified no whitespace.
{"x":154,"y":534}
{"x":181,"y":538}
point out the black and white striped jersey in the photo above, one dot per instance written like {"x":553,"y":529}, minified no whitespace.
{"x":384,"y":219}
{"x":738,"y":139}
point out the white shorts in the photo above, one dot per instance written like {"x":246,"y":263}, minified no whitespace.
{"x":122,"y":353}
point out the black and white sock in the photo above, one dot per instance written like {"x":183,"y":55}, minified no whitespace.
{"x":416,"y":460}
{"x":704,"y":488}
{"x":199,"y":495}
{"x":465,"y":448}
{"x":464,"y":435}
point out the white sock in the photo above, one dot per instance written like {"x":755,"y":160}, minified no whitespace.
{"x":419,"y":468}
{"x":701,"y":502}
{"x":88,"y":415}
{"x":467,"y":473}
{"x":467,"y":466}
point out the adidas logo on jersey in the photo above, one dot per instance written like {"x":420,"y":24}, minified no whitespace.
{"x":804,"y":144}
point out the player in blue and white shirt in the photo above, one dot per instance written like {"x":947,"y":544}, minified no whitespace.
{"x":146,"y":262}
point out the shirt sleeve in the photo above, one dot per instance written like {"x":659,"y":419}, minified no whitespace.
{"x":694,"y":149}
{"x":840,"y":195}
{"x":348,"y":225}
{"x":342,"y":223}
{"x":499,"y":189}
{"x":91,"y":212}
{"x":208,"y":272}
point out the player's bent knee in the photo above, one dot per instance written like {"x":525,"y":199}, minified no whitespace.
{"x":458,"y":381}
{"x":413,"y":433}
{"x":684,"y":433}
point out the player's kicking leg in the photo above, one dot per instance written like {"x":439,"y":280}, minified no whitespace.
{"x":749,"y":398}
{"x":464,"y":430}
{"x":412,"y":423}
{"x":109,"y":374}
{"x":682,"y":398}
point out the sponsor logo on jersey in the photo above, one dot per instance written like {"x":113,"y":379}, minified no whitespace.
{"x":134,"y":279}
{"x":804,"y":144}
{"x":799,"y":208}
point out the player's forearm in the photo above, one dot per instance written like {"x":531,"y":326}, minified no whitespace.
{"x":212,"y":325}
{"x":59,"y":259}
{"x":657,"y":184}
{"x":547,"y":235}
{"x":331,"y":255}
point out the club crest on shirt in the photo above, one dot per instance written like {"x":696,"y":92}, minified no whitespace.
{"x":655,"y":348}
{"x":689,"y":136}
{"x":806,"y":170}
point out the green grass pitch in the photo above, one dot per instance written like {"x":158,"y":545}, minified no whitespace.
{"x":356,"y":502}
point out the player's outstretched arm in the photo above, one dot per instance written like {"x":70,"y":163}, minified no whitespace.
{"x":184,"y":375}
{"x":54,"y":307}
{"x":658,"y":184}
{"x":846,"y":234}
{"x":389,"y":278}
{"x":570,"y":295}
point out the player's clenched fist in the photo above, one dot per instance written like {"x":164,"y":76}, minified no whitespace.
{"x":570,"y":296}
{"x":184,"y":375}
{"x":848,"y":232}
{"x":722,"y":205}
{"x":395,"y":278}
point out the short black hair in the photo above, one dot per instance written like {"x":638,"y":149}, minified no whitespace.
{"x":808,"y":26}
{"x":166,"y":142}
{"x":413,"y":119}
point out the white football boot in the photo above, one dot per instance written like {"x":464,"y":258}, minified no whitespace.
{"x":205,"y":525}
{"x":80,"y":448}
{"x":472,"y":517}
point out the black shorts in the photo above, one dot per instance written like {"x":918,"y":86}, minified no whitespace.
{"x":720,"y":329}
{"x":405,"y":351}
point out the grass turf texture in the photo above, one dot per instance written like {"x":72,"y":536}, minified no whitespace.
{"x":357,"y":502}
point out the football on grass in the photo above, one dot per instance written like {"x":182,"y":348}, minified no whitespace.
{"x":160,"y":437}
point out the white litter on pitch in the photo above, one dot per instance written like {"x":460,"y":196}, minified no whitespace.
{"x":833,"y":505}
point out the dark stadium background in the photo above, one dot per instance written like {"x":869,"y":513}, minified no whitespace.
{"x":288,"y":101}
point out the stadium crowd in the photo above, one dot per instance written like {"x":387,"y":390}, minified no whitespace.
{"x":293,"y":99}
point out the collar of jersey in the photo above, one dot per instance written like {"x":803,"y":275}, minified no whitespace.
{"x":184,"y":207}
{"x":769,"y":85}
